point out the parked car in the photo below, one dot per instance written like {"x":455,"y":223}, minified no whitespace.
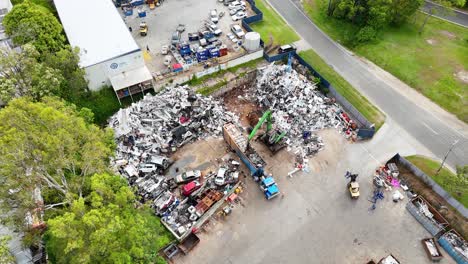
{"x":221,"y":176}
{"x":286,"y":48}
{"x":227,"y":2}
{"x":163,"y":202}
{"x":190,"y":187}
{"x":237,"y":30}
{"x":239,"y":15}
{"x":213,"y":28}
{"x":236,"y":3}
{"x":236,"y":9}
{"x":214,"y":16}
{"x":175,"y":39}
{"x":188,"y":176}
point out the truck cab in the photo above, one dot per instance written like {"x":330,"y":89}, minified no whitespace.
{"x":269,"y":187}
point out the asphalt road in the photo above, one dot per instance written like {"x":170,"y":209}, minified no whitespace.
{"x":427,"y":128}
{"x":454,"y":16}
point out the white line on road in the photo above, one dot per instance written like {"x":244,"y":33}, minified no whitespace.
{"x":370,"y":154}
{"x":428,"y":127}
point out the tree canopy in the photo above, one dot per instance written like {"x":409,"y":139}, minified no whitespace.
{"x":66,"y":61}
{"x":106,"y":227}
{"x":48,"y":148}
{"x":372,"y":15}
{"x":22,"y":75}
{"x":5,"y":256}
{"x":31,"y":23}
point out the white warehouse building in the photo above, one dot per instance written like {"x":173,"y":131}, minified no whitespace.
{"x":108,"y":53}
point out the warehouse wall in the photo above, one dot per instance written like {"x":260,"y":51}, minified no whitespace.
{"x":98,"y":74}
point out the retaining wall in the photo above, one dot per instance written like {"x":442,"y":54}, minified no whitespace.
{"x":434,"y":186}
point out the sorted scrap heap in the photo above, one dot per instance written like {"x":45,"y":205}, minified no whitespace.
{"x":166,"y":121}
{"x":297,"y":106}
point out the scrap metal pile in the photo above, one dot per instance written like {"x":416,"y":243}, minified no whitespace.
{"x":298,"y":107}
{"x":213,"y":188}
{"x":156,"y":126}
{"x":171,"y":119}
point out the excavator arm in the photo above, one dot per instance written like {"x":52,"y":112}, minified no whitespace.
{"x":266,"y":117}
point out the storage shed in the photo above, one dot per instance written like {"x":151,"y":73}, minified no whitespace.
{"x":108,"y":53}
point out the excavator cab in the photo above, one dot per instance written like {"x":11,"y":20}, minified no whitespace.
{"x":273,"y":138}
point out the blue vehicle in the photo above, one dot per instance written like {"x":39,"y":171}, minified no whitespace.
{"x":238,"y":143}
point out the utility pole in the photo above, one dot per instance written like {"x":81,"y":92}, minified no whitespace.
{"x":329,"y":7}
{"x":446,"y":155}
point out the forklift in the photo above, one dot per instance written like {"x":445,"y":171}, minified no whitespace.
{"x":353,"y":185}
{"x":143,"y":29}
{"x":273,"y":138}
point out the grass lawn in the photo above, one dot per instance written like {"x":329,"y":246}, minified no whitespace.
{"x":458,"y":189}
{"x":428,"y":62}
{"x":207,"y":90}
{"x":104,"y":103}
{"x":344,"y":88}
{"x":273,"y":25}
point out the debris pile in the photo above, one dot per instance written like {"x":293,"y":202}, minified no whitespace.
{"x":153,"y":128}
{"x":458,"y":243}
{"x":298,"y":107}
{"x":171,"y":118}
{"x":213,"y":188}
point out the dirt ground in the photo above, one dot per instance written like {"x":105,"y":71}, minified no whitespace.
{"x":235,"y":102}
{"x":457,"y":221}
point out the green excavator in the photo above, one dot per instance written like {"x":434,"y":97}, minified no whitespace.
{"x":274,"y":139}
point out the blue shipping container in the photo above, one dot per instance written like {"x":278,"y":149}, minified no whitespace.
{"x":137,"y":2}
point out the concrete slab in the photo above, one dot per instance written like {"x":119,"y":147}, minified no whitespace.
{"x":315,"y":221}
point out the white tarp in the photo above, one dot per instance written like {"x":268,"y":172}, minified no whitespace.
{"x":129,"y":78}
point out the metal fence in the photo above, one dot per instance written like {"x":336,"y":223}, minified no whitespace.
{"x":434,"y":186}
{"x":347,"y":106}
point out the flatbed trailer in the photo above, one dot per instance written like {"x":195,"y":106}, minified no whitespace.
{"x":251,"y":159}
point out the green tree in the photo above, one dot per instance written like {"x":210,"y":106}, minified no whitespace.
{"x":66,"y":60}
{"x":107,"y":226}
{"x":31,"y":23}
{"x":22,"y":75}
{"x":373,"y":13}
{"x":402,"y":10}
{"x":5,"y":256}
{"x":47,"y":149}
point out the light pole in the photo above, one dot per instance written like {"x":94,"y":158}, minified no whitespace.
{"x":446,"y":155}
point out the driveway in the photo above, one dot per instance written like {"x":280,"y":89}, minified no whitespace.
{"x":423,"y":120}
{"x":454,"y":16}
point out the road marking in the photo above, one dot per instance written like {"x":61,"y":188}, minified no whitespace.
{"x":370,"y":154}
{"x":428,"y":127}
